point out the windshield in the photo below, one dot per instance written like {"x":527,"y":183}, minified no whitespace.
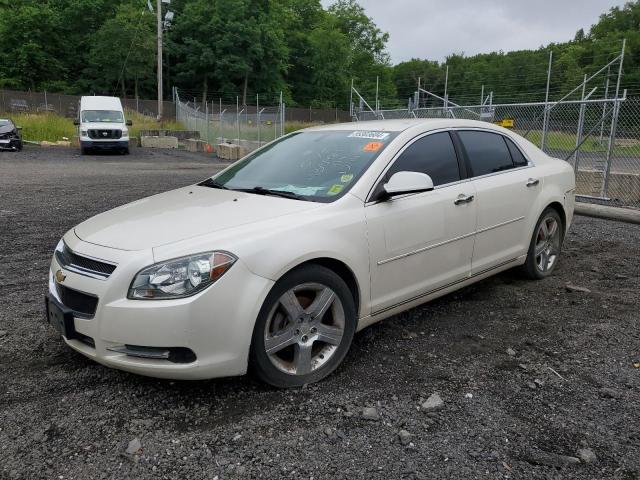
{"x":104,"y":116}
{"x":319,"y":166}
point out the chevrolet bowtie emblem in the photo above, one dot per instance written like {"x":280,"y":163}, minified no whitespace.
{"x":60,"y":276}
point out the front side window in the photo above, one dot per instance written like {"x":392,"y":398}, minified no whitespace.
{"x":433,"y":155}
{"x":487,"y":152}
{"x":317,"y":166}
{"x":102,"y":116}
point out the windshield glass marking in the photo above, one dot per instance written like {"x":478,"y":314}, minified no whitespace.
{"x":370,"y":135}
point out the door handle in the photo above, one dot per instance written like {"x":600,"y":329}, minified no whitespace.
{"x":532,"y":182}
{"x":462,"y":199}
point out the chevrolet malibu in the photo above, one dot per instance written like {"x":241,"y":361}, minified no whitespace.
{"x":274,"y":263}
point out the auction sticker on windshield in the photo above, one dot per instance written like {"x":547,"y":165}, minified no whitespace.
{"x":369,"y":135}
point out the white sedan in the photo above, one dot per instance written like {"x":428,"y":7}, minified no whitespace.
{"x":274,"y":263}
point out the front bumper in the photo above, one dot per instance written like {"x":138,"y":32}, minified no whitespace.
{"x":10,"y":144}
{"x":216,"y":324}
{"x":105,"y":144}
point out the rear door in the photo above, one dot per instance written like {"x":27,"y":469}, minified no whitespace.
{"x":421,"y":242}
{"x":506,"y":188}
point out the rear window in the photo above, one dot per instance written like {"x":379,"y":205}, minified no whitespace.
{"x":516,"y":154}
{"x":487,"y":152}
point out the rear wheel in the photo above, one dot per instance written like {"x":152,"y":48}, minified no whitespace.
{"x":304,"y":328}
{"x":545,"y":245}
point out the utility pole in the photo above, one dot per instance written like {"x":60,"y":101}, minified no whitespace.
{"x":159,"y":14}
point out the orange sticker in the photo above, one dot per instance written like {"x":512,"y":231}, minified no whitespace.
{"x":373,"y":146}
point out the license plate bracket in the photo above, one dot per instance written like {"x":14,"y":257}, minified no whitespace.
{"x":60,"y":317}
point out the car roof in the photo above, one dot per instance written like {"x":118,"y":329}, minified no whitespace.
{"x":100,"y":103}
{"x":400,"y":125}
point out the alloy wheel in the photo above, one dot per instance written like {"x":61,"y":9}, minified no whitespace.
{"x":547,"y":244}
{"x":304,"y":329}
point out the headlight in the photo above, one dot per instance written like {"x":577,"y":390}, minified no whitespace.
{"x":83,"y":133}
{"x":180,"y":277}
{"x":125,"y":133}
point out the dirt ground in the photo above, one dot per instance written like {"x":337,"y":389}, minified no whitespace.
{"x":537,"y":381}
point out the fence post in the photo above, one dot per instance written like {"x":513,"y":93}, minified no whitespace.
{"x":604,"y":107}
{"x":576,"y":156}
{"x":258,"y":117}
{"x":238,"y":118}
{"x":545,"y":118}
{"x":614,"y":125}
{"x":206,"y":116}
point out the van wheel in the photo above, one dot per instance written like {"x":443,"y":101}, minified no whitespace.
{"x":84,"y":150}
{"x":304,"y":328}
{"x":545,"y":245}
{"x":125,"y":151}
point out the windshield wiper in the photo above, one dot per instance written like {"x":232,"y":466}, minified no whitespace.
{"x":210,"y":182}
{"x":275,"y":193}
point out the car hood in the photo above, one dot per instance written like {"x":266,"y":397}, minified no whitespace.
{"x":7,"y":128}
{"x":181,"y":214}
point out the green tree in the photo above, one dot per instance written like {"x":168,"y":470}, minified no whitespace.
{"x":123,"y":52}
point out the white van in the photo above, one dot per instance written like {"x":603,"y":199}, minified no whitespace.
{"x":101,"y":125}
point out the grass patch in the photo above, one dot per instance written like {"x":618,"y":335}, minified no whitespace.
{"x":566,"y":142}
{"x":37,"y":127}
{"x":43,"y":126}
{"x":144,"y":122}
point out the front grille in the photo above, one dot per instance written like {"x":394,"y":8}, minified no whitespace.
{"x":105,"y":134}
{"x":82,"y":304}
{"x":83,"y":265}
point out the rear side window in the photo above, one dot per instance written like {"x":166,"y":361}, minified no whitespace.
{"x":516,"y":154}
{"x":487,"y":152}
{"x":433,"y":155}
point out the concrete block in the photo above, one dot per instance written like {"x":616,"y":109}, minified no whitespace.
{"x":159,"y":142}
{"x":230,"y":151}
{"x":194,"y":145}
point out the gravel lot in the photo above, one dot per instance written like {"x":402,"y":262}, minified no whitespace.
{"x":532,"y":376}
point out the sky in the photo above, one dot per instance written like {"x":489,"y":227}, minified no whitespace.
{"x":433,"y":29}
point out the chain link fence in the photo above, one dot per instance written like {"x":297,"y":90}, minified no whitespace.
{"x":14,"y":101}
{"x":600,"y":138}
{"x":247,"y":126}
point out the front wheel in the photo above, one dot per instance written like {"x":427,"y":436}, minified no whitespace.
{"x":304,"y":328}
{"x":545,"y":245}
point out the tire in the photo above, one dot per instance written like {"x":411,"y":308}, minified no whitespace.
{"x":84,"y":150}
{"x":545,"y":245}
{"x":125,"y":151}
{"x":310,"y":347}
{"x":19,"y":146}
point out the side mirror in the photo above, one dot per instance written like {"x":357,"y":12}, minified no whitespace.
{"x":76,"y":122}
{"x":408,"y":182}
{"x":128,"y":123}
{"x":18,"y":127}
